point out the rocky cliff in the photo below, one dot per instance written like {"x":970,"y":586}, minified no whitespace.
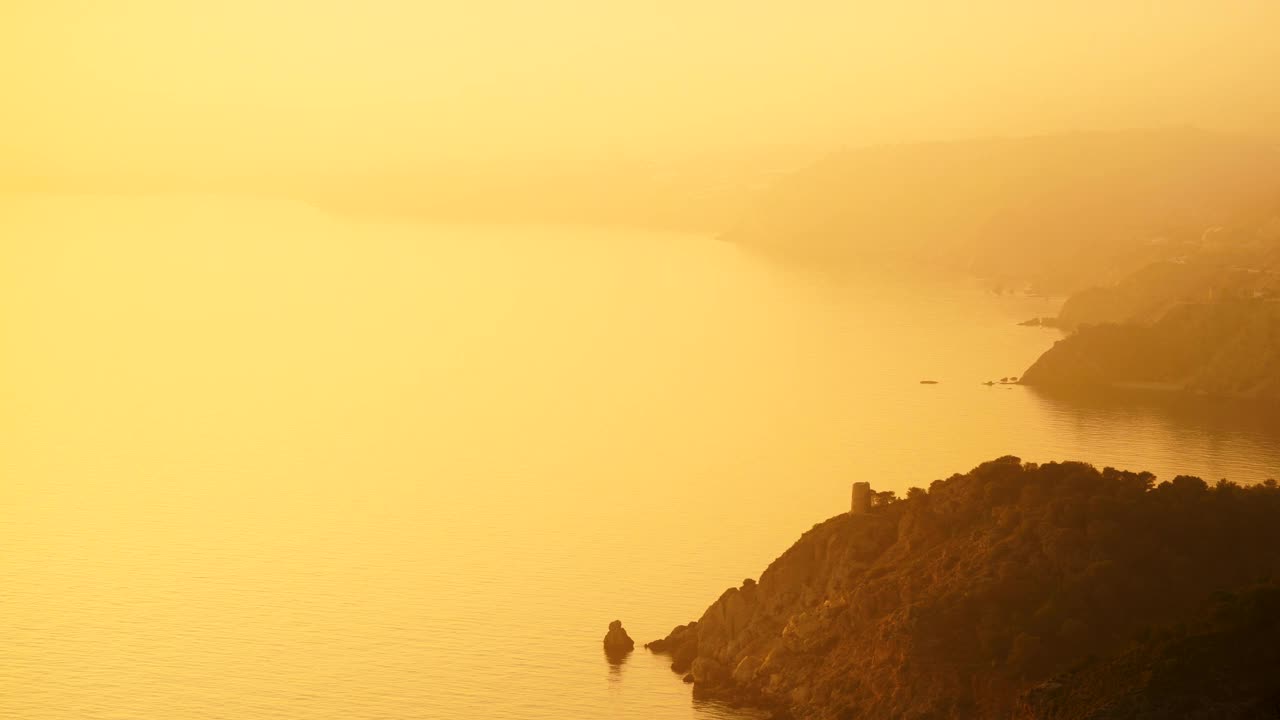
{"x":958,"y":601}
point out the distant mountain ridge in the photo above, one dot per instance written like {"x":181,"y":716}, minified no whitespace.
{"x":1060,"y":212}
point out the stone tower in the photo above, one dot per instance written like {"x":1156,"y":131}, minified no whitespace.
{"x":861,"y":501}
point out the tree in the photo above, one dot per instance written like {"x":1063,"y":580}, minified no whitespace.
{"x":880,"y":499}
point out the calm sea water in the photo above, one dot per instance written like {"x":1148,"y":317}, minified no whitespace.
{"x":259,"y":462}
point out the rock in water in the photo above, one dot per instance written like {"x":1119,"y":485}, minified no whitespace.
{"x":617,"y":641}
{"x":681,"y":645}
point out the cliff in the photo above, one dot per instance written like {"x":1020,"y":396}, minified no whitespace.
{"x":958,"y":601}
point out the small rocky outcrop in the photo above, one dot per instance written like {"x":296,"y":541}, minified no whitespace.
{"x":681,"y":644}
{"x":1049,"y":322}
{"x":617,"y":641}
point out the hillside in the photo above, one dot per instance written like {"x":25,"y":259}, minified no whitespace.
{"x":1228,"y":347}
{"x":1061,"y":212}
{"x":1236,"y":261}
{"x":1221,"y":666}
{"x":1207,"y":321}
{"x":958,"y":601}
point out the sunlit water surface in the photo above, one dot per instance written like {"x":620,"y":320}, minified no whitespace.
{"x":260,"y":462}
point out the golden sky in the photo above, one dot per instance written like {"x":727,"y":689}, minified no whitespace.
{"x":159,"y":85}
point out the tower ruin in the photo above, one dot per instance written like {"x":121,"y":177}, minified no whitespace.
{"x":861,"y":500}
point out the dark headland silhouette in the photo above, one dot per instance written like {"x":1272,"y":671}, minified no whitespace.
{"x":1056,"y":591}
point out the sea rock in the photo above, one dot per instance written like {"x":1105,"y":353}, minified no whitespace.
{"x":617,"y":641}
{"x":681,"y":644}
{"x":1049,"y":322}
{"x":679,"y":635}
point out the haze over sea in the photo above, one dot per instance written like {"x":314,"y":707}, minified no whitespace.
{"x":258,"y":461}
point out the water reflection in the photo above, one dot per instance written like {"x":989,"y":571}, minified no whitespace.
{"x":719,"y":709}
{"x":1170,"y":432}
{"x":616,"y":660}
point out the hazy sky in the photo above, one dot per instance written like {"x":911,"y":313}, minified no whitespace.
{"x":152,"y":85}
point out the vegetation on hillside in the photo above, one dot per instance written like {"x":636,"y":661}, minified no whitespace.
{"x":957,"y":601}
{"x":1239,"y":261}
{"x":1223,"y":664}
{"x":1229,"y":347}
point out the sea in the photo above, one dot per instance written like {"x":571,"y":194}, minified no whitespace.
{"x":259,"y":460}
